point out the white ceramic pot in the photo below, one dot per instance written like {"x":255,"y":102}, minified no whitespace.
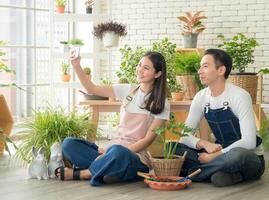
{"x":110,"y":39}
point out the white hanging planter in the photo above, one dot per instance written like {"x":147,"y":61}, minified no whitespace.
{"x":110,"y":39}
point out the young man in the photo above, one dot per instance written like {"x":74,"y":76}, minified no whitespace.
{"x":237,"y":153}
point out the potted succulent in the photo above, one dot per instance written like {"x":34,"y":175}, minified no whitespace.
{"x":186,"y":66}
{"x":89,"y":4}
{"x":176,"y":92}
{"x":87,"y":71}
{"x":192,"y":27}
{"x":170,"y":164}
{"x":241,"y":49}
{"x":109,"y":32}
{"x":65,"y":72}
{"x":76,"y":42}
{"x":60,"y":5}
{"x":123,"y":80}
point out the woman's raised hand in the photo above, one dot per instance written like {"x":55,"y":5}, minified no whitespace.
{"x":74,"y":57}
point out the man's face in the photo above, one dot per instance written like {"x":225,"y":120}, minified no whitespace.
{"x":208,"y":72}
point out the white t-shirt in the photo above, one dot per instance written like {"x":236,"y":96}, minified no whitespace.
{"x":123,"y":90}
{"x":240,"y":104}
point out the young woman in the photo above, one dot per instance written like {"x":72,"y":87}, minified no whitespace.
{"x":144,"y":108}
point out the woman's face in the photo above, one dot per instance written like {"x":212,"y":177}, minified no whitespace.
{"x":145,"y":72}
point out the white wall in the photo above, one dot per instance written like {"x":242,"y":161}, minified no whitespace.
{"x":151,"y":20}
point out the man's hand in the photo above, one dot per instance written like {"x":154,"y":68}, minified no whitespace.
{"x":207,"y":157}
{"x":208,"y":146}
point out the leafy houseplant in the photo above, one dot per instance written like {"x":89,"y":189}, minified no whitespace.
{"x":170,"y":164}
{"x":76,"y":42}
{"x":65,"y":72}
{"x":241,"y":49}
{"x":60,"y":5}
{"x":51,"y":125}
{"x":264,"y":133}
{"x":130,"y":58}
{"x":192,"y":27}
{"x":109,"y":32}
{"x":89,"y":4}
{"x":6,"y":124}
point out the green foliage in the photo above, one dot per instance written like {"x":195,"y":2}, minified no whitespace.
{"x":176,"y":88}
{"x":87,"y":70}
{"x":49,"y":126}
{"x":175,"y":128}
{"x":123,"y":80}
{"x":129,"y":60}
{"x":264,"y":71}
{"x":105,"y":82}
{"x":131,"y":57}
{"x":76,"y":41}
{"x":60,"y":2}
{"x":65,"y":68}
{"x":240,"y":48}
{"x":264,"y":133}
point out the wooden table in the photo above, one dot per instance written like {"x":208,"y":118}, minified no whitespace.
{"x":180,"y":108}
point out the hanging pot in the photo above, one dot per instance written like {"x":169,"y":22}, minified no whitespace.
{"x":89,"y":10}
{"x":110,"y":39}
{"x":190,"y":40}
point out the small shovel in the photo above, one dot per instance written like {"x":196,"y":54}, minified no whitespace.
{"x":189,"y":176}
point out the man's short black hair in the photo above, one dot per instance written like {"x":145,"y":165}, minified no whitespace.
{"x":221,"y":58}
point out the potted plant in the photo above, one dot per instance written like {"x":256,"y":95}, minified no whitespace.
{"x":109,"y":32}
{"x":60,"y":5}
{"x":65,"y":72}
{"x":107,"y":82}
{"x":65,"y":46}
{"x":6,"y":120}
{"x":50,"y":125}
{"x":241,"y":49}
{"x":87,"y":71}
{"x":176,"y":92}
{"x":170,"y":164}
{"x":186,"y":66}
{"x":192,"y":27}
{"x":76,"y":42}
{"x":89,"y":4}
{"x":123,"y":80}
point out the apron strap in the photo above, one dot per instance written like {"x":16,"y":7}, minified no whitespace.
{"x":129,"y":97}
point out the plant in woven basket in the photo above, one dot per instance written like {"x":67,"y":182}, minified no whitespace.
{"x":240,"y":48}
{"x":175,"y":128}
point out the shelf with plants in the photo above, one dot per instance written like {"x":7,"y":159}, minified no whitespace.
{"x":70,"y":20}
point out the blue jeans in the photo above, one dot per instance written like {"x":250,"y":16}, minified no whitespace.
{"x":241,"y":160}
{"x":118,"y":160}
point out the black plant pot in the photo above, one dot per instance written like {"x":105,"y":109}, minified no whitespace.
{"x":89,"y":10}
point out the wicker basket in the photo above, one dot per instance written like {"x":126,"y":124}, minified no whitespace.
{"x":247,"y":82}
{"x":188,"y":84}
{"x":167,"y":167}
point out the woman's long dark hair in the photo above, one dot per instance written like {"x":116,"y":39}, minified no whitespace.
{"x":156,"y":100}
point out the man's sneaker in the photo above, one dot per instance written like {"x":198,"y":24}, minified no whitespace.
{"x":221,"y":179}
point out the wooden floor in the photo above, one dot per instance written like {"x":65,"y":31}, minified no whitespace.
{"x":15,"y":185}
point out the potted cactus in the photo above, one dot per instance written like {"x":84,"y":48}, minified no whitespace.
{"x":87,"y":72}
{"x":192,"y":27}
{"x":109,"y":32}
{"x":65,"y":72}
{"x":60,"y":5}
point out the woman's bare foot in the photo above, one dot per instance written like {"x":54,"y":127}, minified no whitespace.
{"x":68,"y":174}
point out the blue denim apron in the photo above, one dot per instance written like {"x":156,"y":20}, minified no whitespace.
{"x":224,"y":125}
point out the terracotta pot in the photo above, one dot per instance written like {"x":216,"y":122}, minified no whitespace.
{"x":60,"y":9}
{"x":177,"y":96}
{"x":66,"y":77}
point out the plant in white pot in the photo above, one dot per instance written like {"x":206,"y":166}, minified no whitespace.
{"x":192,"y":27}
{"x":109,"y":32}
{"x":89,"y":4}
